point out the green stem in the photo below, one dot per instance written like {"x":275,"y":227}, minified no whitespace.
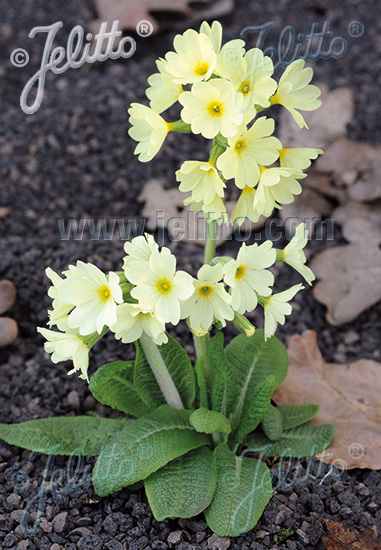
{"x":210,"y":243}
{"x":201,"y":345}
{"x":201,"y":342}
{"x":160,"y":372}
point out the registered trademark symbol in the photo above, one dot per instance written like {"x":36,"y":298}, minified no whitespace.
{"x":355,"y":29}
{"x":356,"y":451}
{"x":144,"y":28}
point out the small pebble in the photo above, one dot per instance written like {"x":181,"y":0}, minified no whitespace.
{"x":218,"y":543}
{"x":60,"y":522}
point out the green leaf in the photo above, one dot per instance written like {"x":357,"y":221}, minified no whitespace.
{"x":64,"y":435}
{"x":184,"y":487}
{"x":261,"y":400}
{"x":272,"y":423}
{"x":224,"y":388}
{"x":112,"y":385}
{"x":202,"y":387}
{"x":254,"y":359}
{"x":305,"y":440}
{"x":180,"y":368}
{"x":208,"y":422}
{"x":295,"y":415}
{"x":150,"y":443}
{"x":242,"y":492}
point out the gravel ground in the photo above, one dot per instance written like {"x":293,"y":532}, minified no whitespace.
{"x":73,"y":159}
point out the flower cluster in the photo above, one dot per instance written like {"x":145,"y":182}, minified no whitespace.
{"x":221,"y":90}
{"x":150,"y":292}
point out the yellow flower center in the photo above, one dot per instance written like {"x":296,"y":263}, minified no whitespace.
{"x":245,"y":87}
{"x":240,"y":146}
{"x":240,"y":272}
{"x":104,"y":293}
{"x":164,"y":286}
{"x":205,"y":291}
{"x":201,"y":69}
{"x":215,"y":108}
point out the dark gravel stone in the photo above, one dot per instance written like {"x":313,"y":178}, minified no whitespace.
{"x":9,"y":541}
{"x":114,"y":545}
{"x":90,"y":542}
{"x":73,"y":159}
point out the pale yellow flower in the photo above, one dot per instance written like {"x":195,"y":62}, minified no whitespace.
{"x":163,"y":91}
{"x":202,"y":179}
{"x":160,"y":288}
{"x":57,"y":315}
{"x":298,"y":157}
{"x":64,"y":346}
{"x":247,"y":150}
{"x":213,"y":210}
{"x":149,"y":129}
{"x":94,"y":296}
{"x":132,"y":321}
{"x":247,"y":276}
{"x":276,"y":186}
{"x":277,"y":307}
{"x":296,"y":93}
{"x":294,"y":256}
{"x":210,"y":108}
{"x":244,"y":207}
{"x":251,"y":76}
{"x":194,"y":60}
{"x":227,"y":53}
{"x":209,"y":301}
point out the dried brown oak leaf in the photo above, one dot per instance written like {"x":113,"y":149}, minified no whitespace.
{"x":130,"y":13}
{"x":349,"y":398}
{"x":361,"y":223}
{"x":349,"y":280}
{"x":326,"y":124}
{"x":355,"y":165}
{"x":341,"y":536}
{"x":306,"y":207}
{"x":164,"y":208}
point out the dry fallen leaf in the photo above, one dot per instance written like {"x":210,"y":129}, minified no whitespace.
{"x":344,"y":156}
{"x":326,"y":124}
{"x":164,"y":208}
{"x":130,"y":13}
{"x":355,"y":165}
{"x":324,"y":185}
{"x":341,"y":536}
{"x":305,"y":207}
{"x":349,"y":280}
{"x":360,"y":223}
{"x":349,"y":398}
{"x":161,"y":205}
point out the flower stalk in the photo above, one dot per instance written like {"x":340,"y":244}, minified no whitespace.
{"x":161,"y":372}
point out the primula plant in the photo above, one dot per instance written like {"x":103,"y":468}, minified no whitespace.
{"x":194,"y":423}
